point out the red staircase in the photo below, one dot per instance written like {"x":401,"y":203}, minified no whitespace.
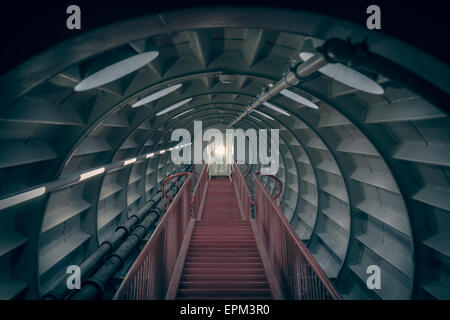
{"x":223,"y":260}
{"x":222,"y":252}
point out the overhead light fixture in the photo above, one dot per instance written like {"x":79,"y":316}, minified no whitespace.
{"x":179,"y":115}
{"x":273,"y":107}
{"x":298,"y":98}
{"x":116,"y":71}
{"x":129,"y":161}
{"x":156,"y":95}
{"x":347,"y":76}
{"x":162,"y":151}
{"x":21,"y":197}
{"x":226,"y":78}
{"x":149,"y":155}
{"x":264,"y":115}
{"x":91,"y":173}
{"x":176,"y":105}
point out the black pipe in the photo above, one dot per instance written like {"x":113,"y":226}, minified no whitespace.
{"x":93,"y":287}
{"x":60,"y":290}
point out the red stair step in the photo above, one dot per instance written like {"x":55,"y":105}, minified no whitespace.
{"x":222,"y":261}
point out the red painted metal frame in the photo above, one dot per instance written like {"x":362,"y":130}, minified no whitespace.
{"x":298,"y":273}
{"x":295,"y":269}
{"x":247,"y":167}
{"x":280,"y":184}
{"x":199,"y":191}
{"x":243,"y":194}
{"x":149,"y":276}
{"x":163,"y":189}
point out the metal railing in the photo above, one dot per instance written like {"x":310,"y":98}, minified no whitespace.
{"x":244,"y":195}
{"x":149,"y":276}
{"x":276,"y":197}
{"x":166,"y":198}
{"x":245,"y":164}
{"x":297,"y":272}
{"x":299,"y":275}
{"x":198,"y":191}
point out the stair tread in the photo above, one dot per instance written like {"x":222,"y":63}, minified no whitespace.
{"x":222,"y":261}
{"x":213,"y":283}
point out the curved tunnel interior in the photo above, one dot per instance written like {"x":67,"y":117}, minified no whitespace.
{"x":365,"y":176}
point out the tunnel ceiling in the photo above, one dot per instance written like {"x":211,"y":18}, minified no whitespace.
{"x":366,"y":177}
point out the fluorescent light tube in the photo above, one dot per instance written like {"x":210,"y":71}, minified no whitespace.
{"x":129,"y":161}
{"x":21,"y":197}
{"x":149,"y":155}
{"x":347,"y":76}
{"x":264,"y":115}
{"x":176,"y":105}
{"x":91,"y":173}
{"x":184,"y":112}
{"x":116,"y":71}
{"x":156,"y":95}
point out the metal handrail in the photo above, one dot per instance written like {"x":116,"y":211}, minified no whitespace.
{"x":149,"y":276}
{"x":247,"y":166}
{"x":280,"y":184}
{"x":245,"y":197}
{"x":163,"y":189}
{"x":299,"y":274}
{"x":199,"y":189}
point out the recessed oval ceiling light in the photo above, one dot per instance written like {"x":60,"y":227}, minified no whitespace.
{"x":156,"y":95}
{"x":347,"y":76}
{"x":273,"y":107}
{"x":298,"y":98}
{"x":264,"y":115}
{"x":184,"y":112}
{"x":116,"y":71}
{"x":176,"y":105}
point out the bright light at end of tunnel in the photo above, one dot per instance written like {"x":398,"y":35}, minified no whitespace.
{"x":219,"y":150}
{"x":156,"y":95}
{"x":116,"y":71}
{"x":91,"y":173}
{"x":129,"y":161}
{"x":347,"y":76}
{"x":21,"y":197}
